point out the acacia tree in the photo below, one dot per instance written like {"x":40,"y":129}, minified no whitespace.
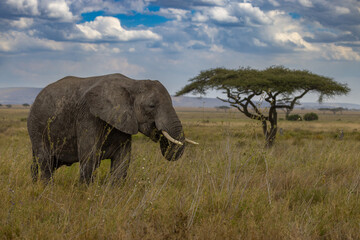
{"x":280,"y":87}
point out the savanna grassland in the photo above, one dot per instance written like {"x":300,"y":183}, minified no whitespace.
{"x":228,"y":187}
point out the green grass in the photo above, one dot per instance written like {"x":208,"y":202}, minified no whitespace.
{"x":228,"y":187}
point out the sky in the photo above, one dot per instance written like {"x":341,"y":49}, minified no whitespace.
{"x":42,"y":41}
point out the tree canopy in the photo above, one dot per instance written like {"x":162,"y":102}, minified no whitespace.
{"x":275,"y":79}
{"x":280,"y":87}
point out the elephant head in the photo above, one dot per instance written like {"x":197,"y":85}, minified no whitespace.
{"x":157,"y":118}
{"x":140,"y":106}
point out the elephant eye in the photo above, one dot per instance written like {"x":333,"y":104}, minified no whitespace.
{"x":152,"y":106}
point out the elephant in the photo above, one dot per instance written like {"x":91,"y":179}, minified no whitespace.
{"x":87,"y":120}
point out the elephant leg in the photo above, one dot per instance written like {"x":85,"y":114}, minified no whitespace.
{"x":89,"y":143}
{"x":89,"y":157}
{"x":120,"y":160}
{"x":47,"y":167}
{"x":41,"y":159}
{"x":34,"y":168}
{"x":87,"y":169}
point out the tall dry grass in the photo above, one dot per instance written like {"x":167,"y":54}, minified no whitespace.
{"x":229,"y":187}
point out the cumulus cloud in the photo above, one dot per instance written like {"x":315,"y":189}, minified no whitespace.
{"x":277,"y":29}
{"x":29,"y":7}
{"x":306,"y":3}
{"x":274,"y":3}
{"x":258,"y":43}
{"x":22,"y":23}
{"x":284,"y":32}
{"x":174,"y":13}
{"x":295,"y":39}
{"x":233,"y":13}
{"x":221,"y":15}
{"x":251,"y":14}
{"x":110,"y":29}
{"x":15,"y":41}
{"x":217,"y":14}
{"x":56,"y":9}
{"x":59,"y":10}
{"x":341,"y":10}
{"x":214,"y":2}
{"x":334,"y":52}
{"x":199,"y":17}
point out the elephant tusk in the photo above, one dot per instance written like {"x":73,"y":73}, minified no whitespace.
{"x":191,"y":141}
{"x":171,"y":139}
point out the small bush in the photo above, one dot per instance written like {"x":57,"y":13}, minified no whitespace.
{"x":294,"y":117}
{"x":311,"y":116}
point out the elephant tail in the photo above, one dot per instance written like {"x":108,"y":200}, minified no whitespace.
{"x":34,"y":168}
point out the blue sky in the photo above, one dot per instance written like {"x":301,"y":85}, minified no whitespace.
{"x":42,"y":41}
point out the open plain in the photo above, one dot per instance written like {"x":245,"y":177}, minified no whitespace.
{"x":228,"y":187}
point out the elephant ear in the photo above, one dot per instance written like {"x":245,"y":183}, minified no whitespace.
{"x":113,"y":104}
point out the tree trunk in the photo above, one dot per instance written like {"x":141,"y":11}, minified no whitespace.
{"x":271,"y":134}
{"x":270,"y":137}
{"x":264,"y":126}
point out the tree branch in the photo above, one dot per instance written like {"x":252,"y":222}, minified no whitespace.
{"x":242,"y":105}
{"x":262,"y":116}
{"x":293,"y":102}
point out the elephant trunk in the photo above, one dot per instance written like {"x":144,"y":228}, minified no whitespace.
{"x":170,"y":149}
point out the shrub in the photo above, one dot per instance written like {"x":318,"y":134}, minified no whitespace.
{"x":311,"y":116}
{"x":294,"y":117}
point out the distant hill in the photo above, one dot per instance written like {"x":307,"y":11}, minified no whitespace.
{"x":18,"y":95}
{"x":308,"y":105}
{"x":27,"y":95}
{"x":197,"y":102}
{"x":214,"y":102}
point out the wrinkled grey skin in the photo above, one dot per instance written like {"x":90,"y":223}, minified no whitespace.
{"x":89,"y":119}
